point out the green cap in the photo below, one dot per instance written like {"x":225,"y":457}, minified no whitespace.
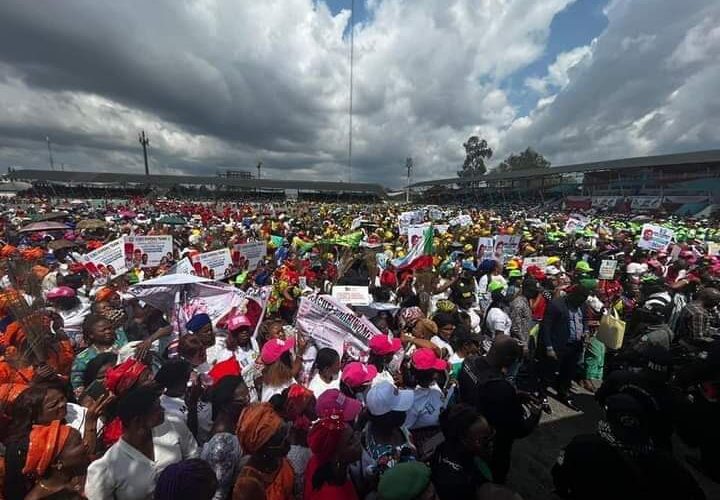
{"x":495,"y":286}
{"x":589,"y":283}
{"x":405,"y":481}
{"x":583,"y":267}
{"x":515,"y":273}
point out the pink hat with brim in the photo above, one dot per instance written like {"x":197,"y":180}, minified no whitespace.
{"x":333,"y":402}
{"x":274,"y":348}
{"x":238,"y":322}
{"x":356,"y":374}
{"x":425,"y":359}
{"x":60,"y":292}
{"x":384,"y":345}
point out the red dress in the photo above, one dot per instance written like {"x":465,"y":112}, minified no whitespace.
{"x":327,"y":491}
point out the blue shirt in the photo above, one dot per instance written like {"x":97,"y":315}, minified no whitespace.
{"x":576,"y":325}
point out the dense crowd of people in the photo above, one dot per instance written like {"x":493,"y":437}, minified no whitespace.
{"x":104,"y":395}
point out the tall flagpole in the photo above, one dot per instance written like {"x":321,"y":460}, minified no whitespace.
{"x":350,"y":110}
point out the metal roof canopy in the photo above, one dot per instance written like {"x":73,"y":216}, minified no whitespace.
{"x":173,"y":180}
{"x":695,"y":157}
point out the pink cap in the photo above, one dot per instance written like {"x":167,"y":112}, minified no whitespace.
{"x":356,"y":374}
{"x":425,"y":359}
{"x":333,"y":402}
{"x":274,"y":348}
{"x":238,"y":321}
{"x":60,"y":293}
{"x":383,"y":345}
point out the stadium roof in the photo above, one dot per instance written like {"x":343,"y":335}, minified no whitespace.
{"x":697,"y":157}
{"x":174,"y":180}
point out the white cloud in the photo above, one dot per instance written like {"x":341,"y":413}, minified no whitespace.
{"x":223,"y":83}
{"x":558,"y":73}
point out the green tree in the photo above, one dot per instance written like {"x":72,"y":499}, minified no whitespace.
{"x":526,"y":160}
{"x":476,"y":152}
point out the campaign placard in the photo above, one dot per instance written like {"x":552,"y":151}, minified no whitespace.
{"x":485,"y":248}
{"x":214,"y":265}
{"x":607,"y":269}
{"x":540,"y":262}
{"x":148,"y":251}
{"x":250,"y":253}
{"x":654,"y":237}
{"x":352,"y":295}
{"x":108,"y":261}
{"x":506,"y":246}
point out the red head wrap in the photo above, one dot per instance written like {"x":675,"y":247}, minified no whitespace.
{"x":325,"y":436}
{"x":119,"y":379}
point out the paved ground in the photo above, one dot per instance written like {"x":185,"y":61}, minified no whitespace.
{"x":534,"y":456}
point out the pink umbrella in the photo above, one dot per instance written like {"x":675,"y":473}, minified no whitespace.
{"x":127,"y":214}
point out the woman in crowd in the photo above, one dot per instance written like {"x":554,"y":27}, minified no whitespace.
{"x":279,"y":371}
{"x":326,"y":371}
{"x":192,"y":478}
{"x":264,"y":436}
{"x":382,"y":350}
{"x":356,"y":379}
{"x":229,"y":397}
{"x":49,"y":462}
{"x":148,"y":444}
{"x":100,"y":337}
{"x":460,"y":464}
{"x":335,"y":445}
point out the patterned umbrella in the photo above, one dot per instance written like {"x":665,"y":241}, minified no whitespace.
{"x":43,"y":226}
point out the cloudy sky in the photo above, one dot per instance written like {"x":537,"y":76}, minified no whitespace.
{"x":226,"y":83}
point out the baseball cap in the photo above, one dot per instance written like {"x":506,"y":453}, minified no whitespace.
{"x":332,"y":402}
{"x":583,"y":267}
{"x":356,"y":374}
{"x":515,"y":273}
{"x":238,"y":321}
{"x":405,"y":481}
{"x":425,"y":359}
{"x":60,"y":293}
{"x":495,"y":286}
{"x":384,"y":345}
{"x":468,"y":266}
{"x":385,"y":397}
{"x":552,"y":271}
{"x":274,"y":348}
{"x":636,"y":268}
{"x":512,"y":264}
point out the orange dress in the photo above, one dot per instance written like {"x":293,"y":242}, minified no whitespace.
{"x":278,"y":485}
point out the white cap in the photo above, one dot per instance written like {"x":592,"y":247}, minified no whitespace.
{"x":636,"y":268}
{"x":552,"y":271}
{"x":385,"y":397}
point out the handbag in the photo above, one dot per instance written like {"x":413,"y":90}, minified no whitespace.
{"x":611,"y":330}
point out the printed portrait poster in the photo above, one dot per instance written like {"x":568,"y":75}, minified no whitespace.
{"x":250,"y":253}
{"x":575,"y":222}
{"x":540,"y":262}
{"x":108,"y":261}
{"x":485,"y":248}
{"x":216,"y":265}
{"x":407,"y":219}
{"x":148,"y":251}
{"x":607,"y":269}
{"x":415,"y":234}
{"x":506,"y":246}
{"x":655,"y":238}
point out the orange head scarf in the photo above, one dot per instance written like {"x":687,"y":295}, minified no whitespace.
{"x":14,"y":335}
{"x":257,"y":424}
{"x":119,"y":379}
{"x":9,"y":393}
{"x":104,"y":294}
{"x":7,"y":299}
{"x":7,"y":251}
{"x":46,"y":443}
{"x":32,"y":254}
{"x":39,"y":271}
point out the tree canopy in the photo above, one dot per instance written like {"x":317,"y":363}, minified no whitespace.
{"x":476,"y":152}
{"x":525,"y":160}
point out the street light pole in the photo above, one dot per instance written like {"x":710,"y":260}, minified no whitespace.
{"x":144,"y":141}
{"x":52,"y":164}
{"x":409,"y":166}
{"x":259,"y":166}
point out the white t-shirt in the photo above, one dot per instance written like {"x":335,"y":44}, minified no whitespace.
{"x":438,"y":341}
{"x":426,"y":408}
{"x":268,"y":391}
{"x":246,"y":358}
{"x":498,"y":321}
{"x":125,"y":473}
{"x":383,"y":376}
{"x":318,"y":385}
